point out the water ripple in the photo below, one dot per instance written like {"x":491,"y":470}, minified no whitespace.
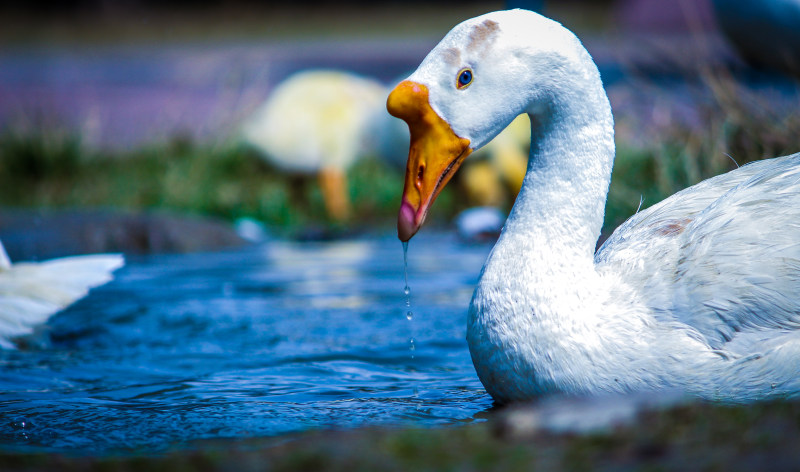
{"x":263,"y":341}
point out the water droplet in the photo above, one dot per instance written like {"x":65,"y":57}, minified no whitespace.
{"x":406,"y":289}
{"x":407,"y":292}
{"x":22,"y":427}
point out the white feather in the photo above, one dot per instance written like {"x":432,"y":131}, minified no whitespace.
{"x":30,"y":293}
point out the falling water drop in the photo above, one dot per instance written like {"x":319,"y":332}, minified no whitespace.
{"x":406,"y":289}
{"x":407,"y":292}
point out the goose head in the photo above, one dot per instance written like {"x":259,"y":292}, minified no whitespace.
{"x":483,"y":74}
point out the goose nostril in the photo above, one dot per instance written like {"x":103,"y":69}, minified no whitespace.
{"x":420,"y":172}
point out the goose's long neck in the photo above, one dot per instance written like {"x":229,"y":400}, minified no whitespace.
{"x":539,"y":295}
{"x":556,"y":220}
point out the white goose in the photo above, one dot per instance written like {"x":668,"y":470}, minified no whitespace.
{"x":30,"y":292}
{"x":316,"y":121}
{"x":700,"y":292}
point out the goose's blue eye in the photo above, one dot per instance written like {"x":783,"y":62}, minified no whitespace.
{"x":464,"y":78}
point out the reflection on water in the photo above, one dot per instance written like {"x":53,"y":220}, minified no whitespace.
{"x":263,"y":341}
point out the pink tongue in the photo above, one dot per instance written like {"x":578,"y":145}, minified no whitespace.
{"x":405,"y":222}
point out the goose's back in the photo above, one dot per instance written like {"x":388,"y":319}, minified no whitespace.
{"x":723,"y":256}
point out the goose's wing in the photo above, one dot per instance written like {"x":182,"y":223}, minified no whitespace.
{"x":32,"y":292}
{"x":722,"y":256}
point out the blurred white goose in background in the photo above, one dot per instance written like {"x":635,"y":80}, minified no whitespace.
{"x":496,"y":170}
{"x":32,"y":292}
{"x":315,"y":122}
{"x":698,"y":292}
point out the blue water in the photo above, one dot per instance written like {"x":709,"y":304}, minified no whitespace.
{"x":264,"y":341}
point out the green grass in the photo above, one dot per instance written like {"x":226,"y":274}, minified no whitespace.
{"x":226,"y":180}
{"x":50,"y":169}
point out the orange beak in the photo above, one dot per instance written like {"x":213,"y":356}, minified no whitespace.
{"x":433,"y":157}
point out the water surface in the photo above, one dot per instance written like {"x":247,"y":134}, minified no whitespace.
{"x":264,"y":341}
